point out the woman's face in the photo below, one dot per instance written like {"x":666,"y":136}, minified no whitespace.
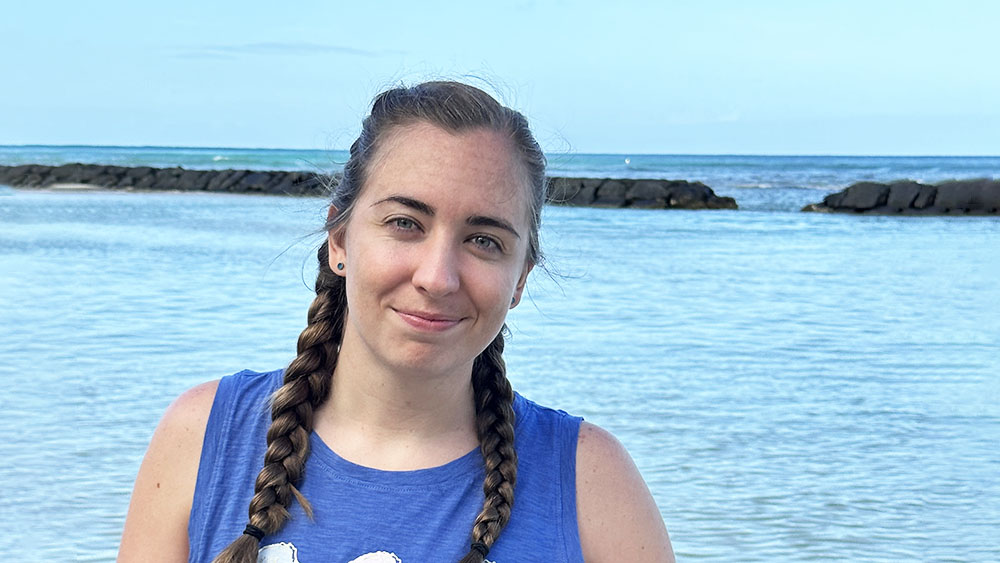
{"x":435,"y":250}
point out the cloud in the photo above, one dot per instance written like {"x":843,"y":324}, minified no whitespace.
{"x":280,"y":48}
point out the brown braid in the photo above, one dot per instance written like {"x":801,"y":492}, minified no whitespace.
{"x":495,"y":425}
{"x":306,"y":386}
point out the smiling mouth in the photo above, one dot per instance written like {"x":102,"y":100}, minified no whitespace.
{"x":429,"y":322}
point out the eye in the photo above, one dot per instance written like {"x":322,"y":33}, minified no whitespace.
{"x":402,"y":223}
{"x":486,"y":243}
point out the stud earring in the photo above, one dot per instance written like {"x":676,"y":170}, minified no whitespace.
{"x":512,"y":301}
{"x":340,"y":265}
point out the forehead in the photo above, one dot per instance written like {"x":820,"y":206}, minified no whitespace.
{"x":477,"y":167}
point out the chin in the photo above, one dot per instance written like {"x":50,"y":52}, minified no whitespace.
{"x":430,"y":362}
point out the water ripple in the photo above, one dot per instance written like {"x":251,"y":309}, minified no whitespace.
{"x":794,"y":388}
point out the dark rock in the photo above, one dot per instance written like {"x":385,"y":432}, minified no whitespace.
{"x":647,"y":193}
{"x":138,"y":172}
{"x":285,"y":185}
{"x":721,"y":202}
{"x":193,"y":180}
{"x":104,"y":179}
{"x":925,"y":198}
{"x":12,"y":174}
{"x":684,"y":195}
{"x":611,"y":193}
{"x":274,"y":178}
{"x":130,"y":176}
{"x":294,"y":183}
{"x":60,"y":174}
{"x":572,"y":191}
{"x":866,"y":195}
{"x":254,"y":182}
{"x":217,"y":179}
{"x":831,"y":201}
{"x":108,"y":176}
{"x":225,"y":180}
{"x":15,"y":175}
{"x":145,"y":182}
{"x":658,"y":194}
{"x":167,"y":178}
{"x":902,"y":195}
{"x":117,"y":171}
{"x":956,"y":197}
{"x":87,"y":174}
{"x":967,"y":195}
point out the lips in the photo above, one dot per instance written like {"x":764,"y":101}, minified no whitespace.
{"x":428,"y":321}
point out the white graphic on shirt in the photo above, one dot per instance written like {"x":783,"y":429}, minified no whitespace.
{"x":285,"y":552}
{"x":278,"y":553}
{"x":377,"y":557}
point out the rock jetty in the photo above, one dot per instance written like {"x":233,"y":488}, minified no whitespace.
{"x":906,"y":197}
{"x":146,"y":178}
{"x":649,"y":194}
{"x":595,"y":192}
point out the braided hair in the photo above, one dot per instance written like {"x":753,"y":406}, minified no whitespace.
{"x":455,"y":107}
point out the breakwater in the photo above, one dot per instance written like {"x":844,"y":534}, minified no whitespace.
{"x":165,"y":179}
{"x":649,"y":194}
{"x":597,"y":192}
{"x":904,"y":197}
{"x":958,"y":197}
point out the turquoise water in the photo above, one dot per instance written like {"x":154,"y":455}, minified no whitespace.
{"x":793,"y":386}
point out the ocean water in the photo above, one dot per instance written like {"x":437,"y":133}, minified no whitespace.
{"x":793,"y":387}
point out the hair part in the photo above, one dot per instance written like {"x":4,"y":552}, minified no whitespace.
{"x":455,"y":107}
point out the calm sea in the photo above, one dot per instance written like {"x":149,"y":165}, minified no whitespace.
{"x":793,"y":386}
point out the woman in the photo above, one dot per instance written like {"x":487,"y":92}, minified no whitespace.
{"x":394,"y":435}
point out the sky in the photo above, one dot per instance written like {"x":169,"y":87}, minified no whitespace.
{"x":669,"y":77}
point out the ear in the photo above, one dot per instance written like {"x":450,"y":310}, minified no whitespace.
{"x":335,"y":246}
{"x":519,"y":288}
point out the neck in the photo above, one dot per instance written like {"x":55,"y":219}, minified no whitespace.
{"x":395,"y":419}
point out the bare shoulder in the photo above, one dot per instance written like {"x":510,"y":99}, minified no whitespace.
{"x":617,"y":517}
{"x":191,"y":408}
{"x":156,"y":525}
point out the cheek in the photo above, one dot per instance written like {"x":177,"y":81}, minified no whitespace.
{"x":496,"y":290}
{"x":379,"y":269}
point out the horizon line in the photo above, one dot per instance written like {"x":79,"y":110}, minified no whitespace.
{"x":547,"y":153}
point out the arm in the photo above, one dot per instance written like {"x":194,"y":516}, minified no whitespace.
{"x":157,"y":521}
{"x":617,"y":517}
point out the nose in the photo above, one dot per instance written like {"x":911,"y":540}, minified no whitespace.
{"x":436,"y":271}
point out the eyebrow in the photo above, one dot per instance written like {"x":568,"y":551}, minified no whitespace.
{"x":483,"y":221}
{"x":408,"y":202}
{"x":475,"y":220}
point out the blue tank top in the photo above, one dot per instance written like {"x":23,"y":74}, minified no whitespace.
{"x":365,"y":515}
